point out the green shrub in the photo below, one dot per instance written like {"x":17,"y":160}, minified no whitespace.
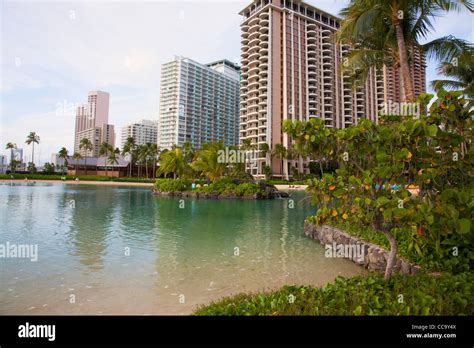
{"x":422,"y":295}
{"x":172,"y":185}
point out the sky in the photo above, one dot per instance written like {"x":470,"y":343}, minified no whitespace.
{"x":54,"y":52}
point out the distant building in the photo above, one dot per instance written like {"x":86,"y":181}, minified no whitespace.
{"x":98,"y":166}
{"x":18,"y":154}
{"x":198,"y":103}
{"x":92,"y":123}
{"x":56,"y":160}
{"x":143,"y":131}
{"x":3,"y":164}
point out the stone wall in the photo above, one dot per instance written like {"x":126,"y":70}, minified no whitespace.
{"x":374,"y":256}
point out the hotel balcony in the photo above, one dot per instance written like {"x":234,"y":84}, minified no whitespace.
{"x":253,"y":68}
{"x":254,"y":56}
{"x":253,"y":98}
{"x":312,"y":38}
{"x":254,"y":40}
{"x":263,"y":14}
{"x":311,"y":46}
{"x":253,"y":21}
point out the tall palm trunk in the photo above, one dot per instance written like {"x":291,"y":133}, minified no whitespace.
{"x":85,"y":163}
{"x":404,"y":66}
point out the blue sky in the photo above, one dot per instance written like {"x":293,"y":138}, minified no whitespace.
{"x":54,"y":52}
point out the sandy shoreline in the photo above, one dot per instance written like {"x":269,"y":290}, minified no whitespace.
{"x":293,"y":187}
{"x":83,"y":182}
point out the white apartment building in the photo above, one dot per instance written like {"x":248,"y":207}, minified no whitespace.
{"x":198,"y":103}
{"x":143,"y":131}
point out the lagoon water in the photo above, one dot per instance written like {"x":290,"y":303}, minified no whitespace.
{"x":122,"y":250}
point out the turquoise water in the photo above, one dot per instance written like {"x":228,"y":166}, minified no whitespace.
{"x":122,"y":250}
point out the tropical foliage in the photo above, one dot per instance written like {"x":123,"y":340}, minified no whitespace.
{"x":422,"y":295}
{"x":32,"y":139}
{"x":389,"y":32}
{"x":405,"y":174}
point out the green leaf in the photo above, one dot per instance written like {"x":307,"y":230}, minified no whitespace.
{"x":432,"y":130}
{"x":358,"y":310}
{"x":464,"y":226}
{"x":381,"y":201}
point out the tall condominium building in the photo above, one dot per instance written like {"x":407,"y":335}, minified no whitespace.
{"x":143,"y":131}
{"x":92,"y":123}
{"x":292,"y":69}
{"x":198,"y":103}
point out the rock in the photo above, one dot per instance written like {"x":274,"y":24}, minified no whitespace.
{"x":405,"y":267}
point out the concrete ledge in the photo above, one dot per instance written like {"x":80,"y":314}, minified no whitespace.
{"x":374,"y":256}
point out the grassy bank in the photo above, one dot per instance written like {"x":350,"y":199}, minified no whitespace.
{"x":422,"y":295}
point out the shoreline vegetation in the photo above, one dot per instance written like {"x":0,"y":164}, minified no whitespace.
{"x":423,"y":294}
{"x":223,"y":188}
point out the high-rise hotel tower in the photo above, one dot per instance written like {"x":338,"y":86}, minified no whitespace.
{"x":291,"y":69}
{"x":198,"y":103}
{"x":92,"y":123}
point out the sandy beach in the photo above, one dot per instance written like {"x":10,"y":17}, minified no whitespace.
{"x":291,"y":187}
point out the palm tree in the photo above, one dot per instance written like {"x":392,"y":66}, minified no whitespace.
{"x":173,"y":161}
{"x":279,"y":151}
{"x":104,"y":150}
{"x":461,"y":72}
{"x":129,"y":149}
{"x":113,"y":156}
{"x":154,"y":153}
{"x":85,"y":145}
{"x":188,"y":151}
{"x":11,"y":146}
{"x":379,"y":31}
{"x":146,"y":155}
{"x":63,"y":153}
{"x":76,"y":157}
{"x":206,"y":161}
{"x":32,"y":139}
